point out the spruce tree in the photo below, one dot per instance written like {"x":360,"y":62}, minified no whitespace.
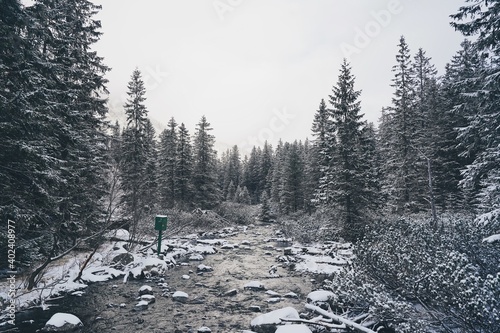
{"x":453,"y":154}
{"x":184,"y":188}
{"x":168,"y":165}
{"x":151,"y":192}
{"x":252,"y":174}
{"x":350,"y":191}
{"x":401,"y":172}
{"x":320,"y":153}
{"x":206,"y":191}
{"x":291,"y":197}
{"x":135,"y":152}
{"x":72,"y":89}
{"x":265,"y":167}
{"x":481,"y":18}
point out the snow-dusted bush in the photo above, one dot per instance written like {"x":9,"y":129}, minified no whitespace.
{"x":237,"y":213}
{"x":308,"y":228}
{"x":416,"y":277}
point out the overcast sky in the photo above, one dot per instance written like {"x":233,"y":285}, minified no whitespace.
{"x":258,"y":68}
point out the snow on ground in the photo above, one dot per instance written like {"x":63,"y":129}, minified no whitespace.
{"x":319,"y":258}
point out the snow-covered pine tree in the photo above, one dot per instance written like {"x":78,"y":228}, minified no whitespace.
{"x":184,"y":188}
{"x":206,"y":191}
{"x":266,"y":163}
{"x":275,"y":177}
{"x":243,"y":195}
{"x":323,"y":147}
{"x":231,"y":192}
{"x":28,"y":168}
{"x":349,"y":191}
{"x":458,"y":80}
{"x":400,"y":172}
{"x":481,"y":18}
{"x":292,"y":193}
{"x":71,"y":95}
{"x":252,"y":173}
{"x":310,"y":181}
{"x":135,"y":152}
{"x":265,"y":209}
{"x":53,"y":163}
{"x":168,"y":165}
{"x":232,"y":172}
{"x":151,"y":193}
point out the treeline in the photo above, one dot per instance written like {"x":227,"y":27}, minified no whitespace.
{"x":65,"y":171}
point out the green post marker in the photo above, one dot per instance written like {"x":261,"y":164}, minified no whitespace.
{"x":160,"y":225}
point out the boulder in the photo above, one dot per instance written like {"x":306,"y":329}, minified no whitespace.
{"x":62,"y":322}
{"x":145,"y":290}
{"x":180,"y":296}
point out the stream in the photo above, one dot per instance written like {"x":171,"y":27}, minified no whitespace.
{"x":217,"y":300}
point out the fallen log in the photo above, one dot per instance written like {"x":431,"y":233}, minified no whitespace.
{"x":312,"y":322}
{"x":349,"y":323}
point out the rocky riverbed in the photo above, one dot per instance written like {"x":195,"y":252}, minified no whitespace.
{"x":243,"y":279}
{"x":216,"y":282}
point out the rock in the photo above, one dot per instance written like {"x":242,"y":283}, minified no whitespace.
{"x":232,"y":292}
{"x":196,"y":257}
{"x":254,"y":285}
{"x":142,"y":305}
{"x":62,"y":322}
{"x":268,"y":322}
{"x":254,"y":308}
{"x":122,"y":259}
{"x":186,"y":277}
{"x":145,"y":290}
{"x":320,"y":296}
{"x":291,"y":295}
{"x":228,"y":246}
{"x":204,"y":268}
{"x":272,"y":293}
{"x":274,"y":300}
{"x":122,"y":305}
{"x":293,"y":329}
{"x":204,"y":329}
{"x":148,"y":298}
{"x":180,"y":296}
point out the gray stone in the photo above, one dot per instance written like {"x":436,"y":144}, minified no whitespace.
{"x":62,"y":322}
{"x":230,"y":293}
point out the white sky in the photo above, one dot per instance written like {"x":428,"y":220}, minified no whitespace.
{"x":258,"y":68}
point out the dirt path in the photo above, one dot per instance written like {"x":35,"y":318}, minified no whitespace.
{"x":207,"y":304}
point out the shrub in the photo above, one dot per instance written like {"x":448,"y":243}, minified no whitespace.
{"x":308,"y":228}
{"x":450,"y":275}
